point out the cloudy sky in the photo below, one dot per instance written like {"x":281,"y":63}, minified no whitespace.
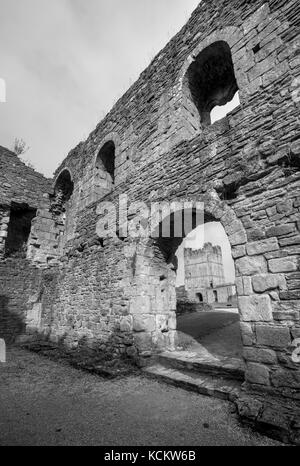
{"x":66,"y":62}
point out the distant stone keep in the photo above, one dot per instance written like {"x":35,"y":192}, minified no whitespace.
{"x":204,"y":275}
{"x":61,"y":281}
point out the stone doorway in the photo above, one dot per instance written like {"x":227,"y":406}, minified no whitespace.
{"x":154,"y":305}
{"x":207,"y":324}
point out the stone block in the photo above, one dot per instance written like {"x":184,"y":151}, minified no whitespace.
{"x":286,"y":378}
{"x":264,"y":282}
{"x":126,"y":324}
{"x":280,"y":230}
{"x":257,"y":374}
{"x":144,"y":323}
{"x":238,"y":238}
{"x":247,"y":334}
{"x":238,"y":251}
{"x":255,"y":308}
{"x":260,"y":247}
{"x":251,"y":265}
{"x":283,"y":264}
{"x":261,"y":355}
{"x":273,"y":336}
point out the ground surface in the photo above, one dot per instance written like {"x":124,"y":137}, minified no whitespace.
{"x":47,"y":403}
{"x":217,"y":331}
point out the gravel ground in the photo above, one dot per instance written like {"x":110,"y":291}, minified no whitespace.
{"x":43,"y":402}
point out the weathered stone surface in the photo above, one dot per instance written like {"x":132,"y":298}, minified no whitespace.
{"x":238,"y":251}
{"x":251,"y":265}
{"x":285,"y":264}
{"x":261,"y":355}
{"x":257,"y":374}
{"x":238,"y":238}
{"x":264,"y":282}
{"x":2,"y":350}
{"x":273,"y":336}
{"x":144,"y":322}
{"x":126,"y":324}
{"x":260,"y":247}
{"x":286,"y":378}
{"x":280,"y":230}
{"x":255,"y":308}
{"x":248,"y":336}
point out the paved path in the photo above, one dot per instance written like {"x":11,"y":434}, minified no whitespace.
{"x":217,"y":331}
{"x":46,"y":403}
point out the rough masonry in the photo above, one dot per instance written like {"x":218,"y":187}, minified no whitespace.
{"x":118,"y":296}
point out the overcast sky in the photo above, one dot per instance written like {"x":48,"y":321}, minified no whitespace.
{"x":66,"y":62}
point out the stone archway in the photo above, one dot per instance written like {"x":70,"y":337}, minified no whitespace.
{"x":153,"y":303}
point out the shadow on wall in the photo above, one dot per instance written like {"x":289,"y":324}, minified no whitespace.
{"x":86,"y":352}
{"x":11,"y":325}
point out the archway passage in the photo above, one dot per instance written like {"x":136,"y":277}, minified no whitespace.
{"x":206,"y":269}
{"x":156,"y":310}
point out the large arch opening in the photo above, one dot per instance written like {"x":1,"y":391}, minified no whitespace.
{"x":206,"y":268}
{"x":167,"y":313}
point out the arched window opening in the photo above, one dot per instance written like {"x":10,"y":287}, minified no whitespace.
{"x":106,"y":160}
{"x":212,"y":81}
{"x":63,"y":191}
{"x":104,"y":177}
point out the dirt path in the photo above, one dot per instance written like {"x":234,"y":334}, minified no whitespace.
{"x":46,"y":403}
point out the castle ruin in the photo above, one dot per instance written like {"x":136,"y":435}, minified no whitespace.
{"x":60,"y":281}
{"x":204,"y":275}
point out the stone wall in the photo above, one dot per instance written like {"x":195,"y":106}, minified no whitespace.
{"x":24,"y":193}
{"x":19,"y":290}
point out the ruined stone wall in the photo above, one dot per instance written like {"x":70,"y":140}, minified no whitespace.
{"x":19,"y":289}
{"x":245,"y":168}
{"x":249,"y":161}
{"x":24,"y":193}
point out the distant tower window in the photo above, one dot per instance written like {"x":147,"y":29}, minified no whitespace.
{"x":212,"y":82}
